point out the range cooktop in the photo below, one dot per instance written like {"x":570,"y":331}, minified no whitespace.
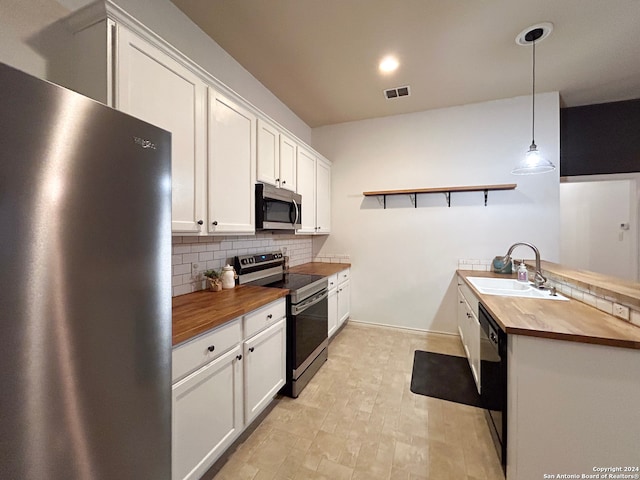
{"x":295,"y":281}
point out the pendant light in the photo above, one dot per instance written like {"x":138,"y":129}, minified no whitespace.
{"x":533,"y":161}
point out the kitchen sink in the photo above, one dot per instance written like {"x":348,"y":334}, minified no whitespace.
{"x":508,"y":287}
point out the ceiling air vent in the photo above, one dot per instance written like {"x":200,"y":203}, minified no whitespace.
{"x":397,"y":92}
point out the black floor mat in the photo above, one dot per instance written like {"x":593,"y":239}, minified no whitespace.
{"x":444,"y":376}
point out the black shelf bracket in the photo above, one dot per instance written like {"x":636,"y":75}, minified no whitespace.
{"x":447,"y":191}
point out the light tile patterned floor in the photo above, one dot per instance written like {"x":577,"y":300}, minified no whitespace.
{"x":358,"y":420}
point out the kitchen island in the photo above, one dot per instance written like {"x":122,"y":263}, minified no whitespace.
{"x":573,"y":382}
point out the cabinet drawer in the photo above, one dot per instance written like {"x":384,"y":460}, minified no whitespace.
{"x":263,"y":317}
{"x":332,"y":281}
{"x":344,"y":275}
{"x":200,"y":350}
{"x":469,"y":296}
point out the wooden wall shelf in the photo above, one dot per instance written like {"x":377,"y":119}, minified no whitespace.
{"x":413,"y":192}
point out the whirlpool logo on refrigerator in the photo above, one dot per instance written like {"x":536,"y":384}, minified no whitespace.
{"x":144,"y":143}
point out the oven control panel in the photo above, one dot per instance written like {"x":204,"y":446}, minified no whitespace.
{"x":257,"y":261}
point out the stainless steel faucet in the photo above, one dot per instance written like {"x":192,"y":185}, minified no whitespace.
{"x":539,"y":279}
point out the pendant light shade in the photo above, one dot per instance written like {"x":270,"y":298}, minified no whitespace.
{"x":533,"y":161}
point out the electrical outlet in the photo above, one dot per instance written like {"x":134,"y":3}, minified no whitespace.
{"x":621,"y":311}
{"x":194,"y":270}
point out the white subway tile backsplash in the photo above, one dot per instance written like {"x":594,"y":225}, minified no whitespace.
{"x":181,"y":290}
{"x":205,"y":256}
{"x":189,"y":257}
{"x":215,"y":252}
{"x":220,"y":254}
{"x":604,"y":305}
{"x":577,"y":294}
{"x":590,"y":299}
{"x":181,"y":249}
{"x":182,"y":269}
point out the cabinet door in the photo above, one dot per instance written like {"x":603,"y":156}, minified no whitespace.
{"x":323,"y":197}
{"x":333,"y":311}
{"x":264,"y":368}
{"x":152,"y":86}
{"x":462,"y":311}
{"x":206,"y":415}
{"x":288,"y":153}
{"x":232,"y":166}
{"x":344,"y":301}
{"x":268,"y":153}
{"x":307,"y":188}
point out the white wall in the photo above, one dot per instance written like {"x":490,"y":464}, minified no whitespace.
{"x":404,"y":259}
{"x":592,"y":208}
{"x":33,"y":39}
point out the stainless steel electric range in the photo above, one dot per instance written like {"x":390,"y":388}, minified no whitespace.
{"x":307,"y":314}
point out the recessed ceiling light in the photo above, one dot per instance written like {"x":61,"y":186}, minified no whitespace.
{"x":388,"y":64}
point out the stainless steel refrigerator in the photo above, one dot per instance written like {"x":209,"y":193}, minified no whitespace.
{"x":85,"y":288}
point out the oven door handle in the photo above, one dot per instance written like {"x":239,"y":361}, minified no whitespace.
{"x":301,"y":307}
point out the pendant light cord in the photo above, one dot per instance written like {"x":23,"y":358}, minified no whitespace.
{"x":533,"y":97}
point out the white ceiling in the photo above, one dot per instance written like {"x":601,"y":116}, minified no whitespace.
{"x":320,"y":57}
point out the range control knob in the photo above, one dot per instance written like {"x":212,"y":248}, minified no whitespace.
{"x":243,"y":261}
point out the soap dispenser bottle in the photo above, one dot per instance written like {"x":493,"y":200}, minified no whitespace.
{"x":523,"y":274}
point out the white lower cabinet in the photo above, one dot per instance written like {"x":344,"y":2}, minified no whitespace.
{"x":344,"y":296}
{"x":469,"y":329}
{"x":223,"y":379}
{"x":333,"y":307}
{"x":206,"y":415}
{"x":339,"y":300}
{"x":264,"y":368}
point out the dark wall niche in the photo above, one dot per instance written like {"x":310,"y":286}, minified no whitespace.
{"x":600,"y":139}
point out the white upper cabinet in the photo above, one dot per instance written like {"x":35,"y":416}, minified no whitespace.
{"x":288,"y":151}
{"x":276,"y":157}
{"x":152,"y":86}
{"x":219,"y":147}
{"x":307,"y":188}
{"x":268,"y":153}
{"x":232,"y":166}
{"x":323,"y":196}
{"x":314,"y":184}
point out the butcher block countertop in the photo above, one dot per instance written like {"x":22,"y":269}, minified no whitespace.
{"x":319,"y":268}
{"x":197,"y":312}
{"x":562,"y":320}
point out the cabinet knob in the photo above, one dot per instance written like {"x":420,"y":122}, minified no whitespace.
{"x":200,"y":222}
{"x":239,"y":357}
{"x":468,"y":315}
{"x":270,"y":316}
{"x":277,"y":180}
{"x":211,"y":348}
{"x":251,"y":349}
{"x":214,"y":223}
{"x":284,"y":181}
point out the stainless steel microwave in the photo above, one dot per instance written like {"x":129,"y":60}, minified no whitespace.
{"x":277,"y":208}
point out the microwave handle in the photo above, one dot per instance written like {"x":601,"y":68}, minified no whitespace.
{"x":295,"y":205}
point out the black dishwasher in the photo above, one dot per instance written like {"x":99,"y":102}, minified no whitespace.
{"x":493,"y":377}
